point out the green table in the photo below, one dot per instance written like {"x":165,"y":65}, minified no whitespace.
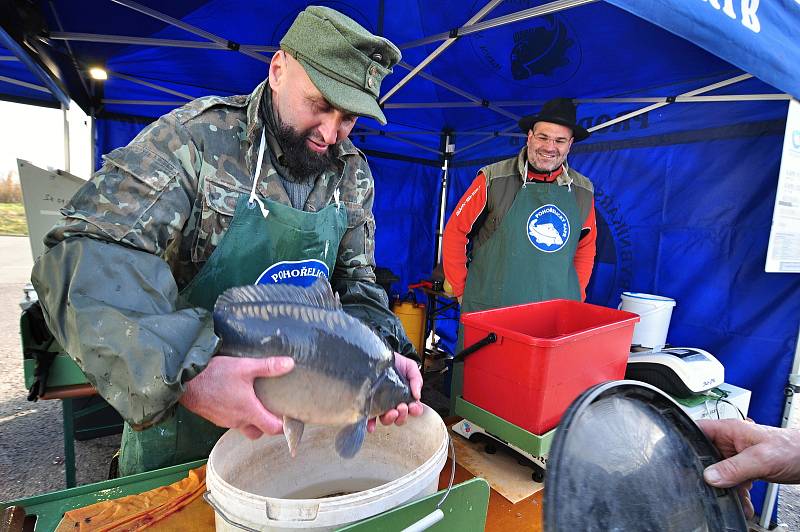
{"x":464,"y":509}
{"x":85,"y":414}
{"x":49,"y":508}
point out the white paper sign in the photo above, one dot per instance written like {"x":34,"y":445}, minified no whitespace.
{"x":783,"y":253}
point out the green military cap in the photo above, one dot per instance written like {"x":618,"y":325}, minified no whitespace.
{"x":344,"y":61}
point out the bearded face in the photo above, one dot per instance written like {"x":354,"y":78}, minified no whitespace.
{"x":309,"y":127}
{"x":302,"y":161}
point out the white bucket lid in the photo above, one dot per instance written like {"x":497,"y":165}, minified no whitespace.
{"x":649,"y":297}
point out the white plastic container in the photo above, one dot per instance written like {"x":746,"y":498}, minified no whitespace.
{"x":257,"y":485}
{"x":655,"y":313}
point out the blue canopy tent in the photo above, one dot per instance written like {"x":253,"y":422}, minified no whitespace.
{"x":686,"y":99}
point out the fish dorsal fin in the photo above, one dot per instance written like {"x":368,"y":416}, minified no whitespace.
{"x":318,"y":295}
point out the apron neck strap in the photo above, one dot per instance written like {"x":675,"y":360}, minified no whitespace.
{"x":253,"y":198}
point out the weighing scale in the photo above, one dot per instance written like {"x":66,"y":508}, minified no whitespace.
{"x":478,"y":421}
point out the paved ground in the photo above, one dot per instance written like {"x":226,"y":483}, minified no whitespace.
{"x":31,"y":437}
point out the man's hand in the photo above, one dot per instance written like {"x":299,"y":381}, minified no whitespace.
{"x":223,"y":393}
{"x":751,"y":452}
{"x":398,"y":415}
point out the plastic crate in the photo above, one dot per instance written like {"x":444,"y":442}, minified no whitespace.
{"x":545,"y":355}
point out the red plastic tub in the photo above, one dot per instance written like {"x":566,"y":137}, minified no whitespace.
{"x":546,"y":354}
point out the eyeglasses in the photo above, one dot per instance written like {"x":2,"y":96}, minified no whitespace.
{"x":544,"y":139}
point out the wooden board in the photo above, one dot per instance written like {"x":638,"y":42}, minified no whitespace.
{"x":504,"y":473}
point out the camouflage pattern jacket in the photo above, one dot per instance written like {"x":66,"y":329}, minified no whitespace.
{"x":153,"y":215}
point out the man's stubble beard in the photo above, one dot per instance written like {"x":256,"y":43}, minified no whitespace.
{"x":303,"y":163}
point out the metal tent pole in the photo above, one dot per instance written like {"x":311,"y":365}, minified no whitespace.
{"x":191,"y":29}
{"x":465,"y":94}
{"x":149,"y":84}
{"x":447,"y":152}
{"x":167,"y":103}
{"x":653,"y":99}
{"x":689,"y":94}
{"x":93,"y":144}
{"x":369,"y":130}
{"x":490,"y":136}
{"x":692,"y":93}
{"x":25,"y":84}
{"x":151,"y":41}
{"x":793,"y":387}
{"x":475,"y":27}
{"x":52,"y":86}
{"x":441,"y":48}
{"x":64,"y":109}
{"x":81,"y":75}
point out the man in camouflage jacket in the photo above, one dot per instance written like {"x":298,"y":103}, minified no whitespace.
{"x":146,"y":223}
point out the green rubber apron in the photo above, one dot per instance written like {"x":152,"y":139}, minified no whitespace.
{"x":528,"y":259}
{"x":266,"y":242}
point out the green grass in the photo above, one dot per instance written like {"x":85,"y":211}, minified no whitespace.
{"x":12,"y":219}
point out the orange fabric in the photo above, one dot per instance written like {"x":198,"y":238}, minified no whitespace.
{"x":454,"y":240}
{"x":136,"y":512}
{"x":461,"y":222}
{"x":584,"y":254}
{"x":545,"y":178}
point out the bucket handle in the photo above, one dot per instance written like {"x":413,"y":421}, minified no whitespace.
{"x":461,"y":355}
{"x":218,"y":510}
{"x":653,"y":309}
{"x":437,"y":514}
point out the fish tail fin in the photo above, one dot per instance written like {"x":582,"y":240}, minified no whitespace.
{"x":351,"y":438}
{"x":293,"y":430}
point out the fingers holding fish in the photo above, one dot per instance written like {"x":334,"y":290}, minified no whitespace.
{"x":269,"y":367}
{"x":251,"y":432}
{"x":409,"y":369}
{"x":398,"y":415}
{"x":344,"y":374}
{"x":223,"y":393}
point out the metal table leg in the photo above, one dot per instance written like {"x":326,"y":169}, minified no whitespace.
{"x":69,"y":441}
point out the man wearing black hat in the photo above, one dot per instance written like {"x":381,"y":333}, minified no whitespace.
{"x":524,"y":230}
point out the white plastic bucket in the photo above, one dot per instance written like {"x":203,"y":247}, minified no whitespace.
{"x":257,"y":485}
{"x":655,"y":313}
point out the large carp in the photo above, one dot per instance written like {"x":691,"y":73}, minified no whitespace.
{"x":343,"y":372}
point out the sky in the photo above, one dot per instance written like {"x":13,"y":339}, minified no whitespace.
{"x":36,"y":134}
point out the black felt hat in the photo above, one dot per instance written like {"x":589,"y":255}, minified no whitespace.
{"x":558,"y":111}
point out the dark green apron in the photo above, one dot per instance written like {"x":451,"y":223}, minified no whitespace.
{"x":528,"y":259}
{"x":285,"y":245}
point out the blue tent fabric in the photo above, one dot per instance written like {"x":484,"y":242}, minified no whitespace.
{"x":112,"y":133}
{"x":755,"y":33}
{"x":684,"y":191}
{"x":405,"y":206}
{"x":28,"y":89}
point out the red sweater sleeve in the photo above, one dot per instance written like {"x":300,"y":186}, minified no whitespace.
{"x":454,"y":240}
{"x":584,"y":255}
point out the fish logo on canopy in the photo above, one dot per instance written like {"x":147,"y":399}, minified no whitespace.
{"x":548,"y":228}
{"x":544,"y":52}
{"x":294,"y":272}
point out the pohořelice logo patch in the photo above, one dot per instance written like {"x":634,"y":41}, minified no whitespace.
{"x":548,"y":228}
{"x":297,"y":272}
